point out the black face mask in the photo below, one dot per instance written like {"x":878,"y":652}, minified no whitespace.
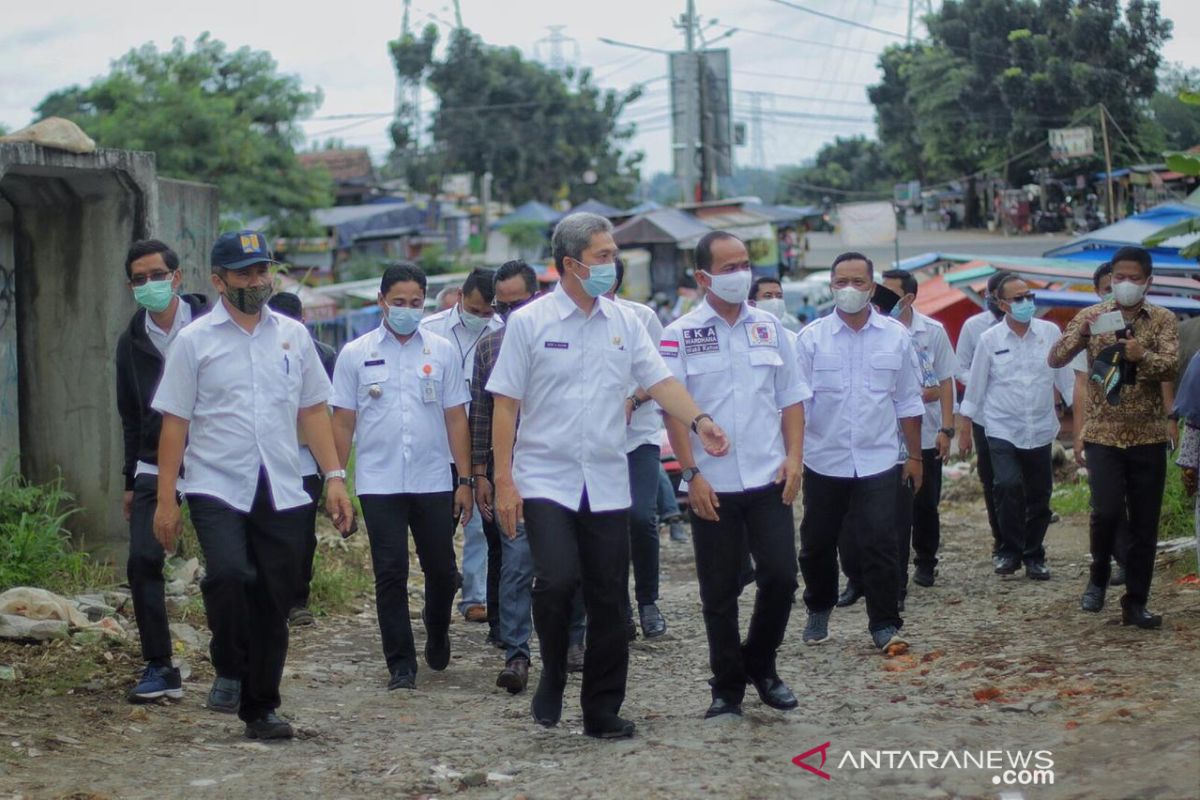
{"x":250,"y":299}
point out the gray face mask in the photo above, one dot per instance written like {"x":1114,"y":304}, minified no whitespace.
{"x":248,"y":300}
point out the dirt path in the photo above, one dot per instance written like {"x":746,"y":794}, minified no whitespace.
{"x":1116,"y":708}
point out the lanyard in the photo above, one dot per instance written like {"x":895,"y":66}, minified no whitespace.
{"x":464,"y":353}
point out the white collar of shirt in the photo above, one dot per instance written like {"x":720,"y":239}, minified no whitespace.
{"x":566,"y":306}
{"x":183,"y":315}
{"x":705,"y":312}
{"x":384,"y":334}
{"x":875,"y":320}
{"x":220,"y":315}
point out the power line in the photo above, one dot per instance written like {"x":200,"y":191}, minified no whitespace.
{"x":842,"y":20}
{"x":806,"y":97}
{"x":809,"y":42}
{"x":783,"y":76}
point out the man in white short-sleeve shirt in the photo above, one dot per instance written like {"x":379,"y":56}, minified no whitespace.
{"x":860,"y":384}
{"x":739,"y":361}
{"x":399,"y":396}
{"x":236,"y":384}
{"x":567,"y":362}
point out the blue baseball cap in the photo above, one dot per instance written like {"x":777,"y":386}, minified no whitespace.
{"x":240,"y":249}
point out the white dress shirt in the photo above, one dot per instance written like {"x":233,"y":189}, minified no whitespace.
{"x":241,"y":392}
{"x":646,"y":423}
{"x":1011,"y":387}
{"x":743,"y":374}
{"x":162,"y":341}
{"x":935,"y":356}
{"x":571,"y":372}
{"x":448,"y":324}
{"x":857,"y":386}
{"x":401,"y":445}
{"x":968,"y":338}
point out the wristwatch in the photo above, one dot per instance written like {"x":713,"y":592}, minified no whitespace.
{"x":465,"y":481}
{"x":696,"y":422}
{"x":636,"y":403}
{"x":948,"y":431}
{"x":689,"y":474}
{"x":335,"y":473}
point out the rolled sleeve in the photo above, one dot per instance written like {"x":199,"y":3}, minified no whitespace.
{"x":649,"y":368}
{"x":510,"y":375}
{"x":314,"y":383}
{"x":907,"y":401}
{"x":345,"y":381}
{"x":176,"y":393}
{"x":455,"y":390}
{"x":788,"y":389}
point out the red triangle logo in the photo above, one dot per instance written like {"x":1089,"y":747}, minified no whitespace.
{"x":799,"y":761}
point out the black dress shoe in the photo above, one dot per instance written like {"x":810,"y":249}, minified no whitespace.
{"x":437,"y":645}
{"x":721,"y":707}
{"x":1136,"y":614}
{"x":1004,"y":565}
{"x":653,"y":624}
{"x":515,"y":675}
{"x":546,"y":706}
{"x":923,"y":575}
{"x":1118,"y":576}
{"x":1037,"y":570}
{"x":225,"y":695}
{"x":609,"y":727}
{"x":402,"y":679}
{"x":1093,"y":598}
{"x":775,"y":693}
{"x":849,"y":596}
{"x":269,"y":726}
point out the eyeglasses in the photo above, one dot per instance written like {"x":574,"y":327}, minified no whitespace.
{"x":140,"y":280}
{"x":508,"y":308}
{"x":1026,"y":296}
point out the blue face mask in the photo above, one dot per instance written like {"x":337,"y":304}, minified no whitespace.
{"x":404,"y":320}
{"x":1022,"y":310}
{"x":601,"y":278}
{"x":897,"y":310}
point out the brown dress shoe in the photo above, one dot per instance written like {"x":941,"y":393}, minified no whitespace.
{"x":476,"y":614}
{"x":515,"y":675}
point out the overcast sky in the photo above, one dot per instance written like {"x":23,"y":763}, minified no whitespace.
{"x":809,"y":91}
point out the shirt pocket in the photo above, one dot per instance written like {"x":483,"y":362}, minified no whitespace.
{"x":616,"y":368}
{"x":763,"y":364}
{"x":884,"y":370}
{"x":827,"y":372}
{"x":374,"y":389}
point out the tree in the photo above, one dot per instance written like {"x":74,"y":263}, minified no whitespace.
{"x":850,"y":166}
{"x":995,"y":75}
{"x":209,"y":115}
{"x":1178,"y":119}
{"x":542,"y":134}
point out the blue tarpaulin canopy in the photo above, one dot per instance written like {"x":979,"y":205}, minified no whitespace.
{"x":533,"y":211}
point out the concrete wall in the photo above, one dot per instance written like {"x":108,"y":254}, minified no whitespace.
{"x":187,"y":220}
{"x":10,"y":419}
{"x":67,"y":221}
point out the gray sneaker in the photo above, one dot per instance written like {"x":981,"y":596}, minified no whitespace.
{"x":888,"y":637}
{"x":816,"y":630}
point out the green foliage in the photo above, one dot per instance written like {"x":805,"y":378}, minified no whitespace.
{"x":360,"y":267}
{"x":433,"y":259}
{"x":211,"y":115}
{"x":35,"y":546}
{"x":995,"y":75}
{"x":1182,"y":228}
{"x":525,"y":234}
{"x":341,"y":575}
{"x":537,"y":131}
{"x":1177,"y":520}
{"x":855,"y":164}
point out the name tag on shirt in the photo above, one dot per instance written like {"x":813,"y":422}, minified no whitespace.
{"x":378,"y":362}
{"x":1001,"y":352}
{"x":557,"y":345}
{"x":762,"y":334}
{"x":428,"y":391}
{"x":700,"y":340}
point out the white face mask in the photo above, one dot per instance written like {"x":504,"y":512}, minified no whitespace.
{"x":1128,"y":293}
{"x":850,"y":300}
{"x":471,"y":322}
{"x":732,"y":287}
{"x":774,"y":305}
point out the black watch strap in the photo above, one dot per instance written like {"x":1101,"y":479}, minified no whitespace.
{"x":464,"y":481}
{"x":948,"y":431}
{"x":696,"y":422}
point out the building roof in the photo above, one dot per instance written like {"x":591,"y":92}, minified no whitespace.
{"x":661,"y":226}
{"x":1133,"y":230}
{"x":533,"y":211}
{"x":596,"y":207}
{"x":344,"y":166}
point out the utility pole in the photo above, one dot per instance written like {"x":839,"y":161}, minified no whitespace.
{"x":1112,"y":214}
{"x":758,"y":150}
{"x":556,"y":60}
{"x":457,"y":15}
{"x":911,"y":4}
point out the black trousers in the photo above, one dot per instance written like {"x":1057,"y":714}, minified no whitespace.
{"x":983,"y":463}
{"x":1022,"y":481}
{"x":757,"y":518}
{"x":872,"y":537}
{"x":313,"y":486}
{"x":252,"y":566}
{"x":144,"y":570}
{"x":1122,"y":479}
{"x":926,"y":524}
{"x":903,"y":520}
{"x":571,"y":548}
{"x":430,"y":517}
{"x":644,"y":464}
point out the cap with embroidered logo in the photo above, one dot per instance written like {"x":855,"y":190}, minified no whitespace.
{"x":240,"y":249}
